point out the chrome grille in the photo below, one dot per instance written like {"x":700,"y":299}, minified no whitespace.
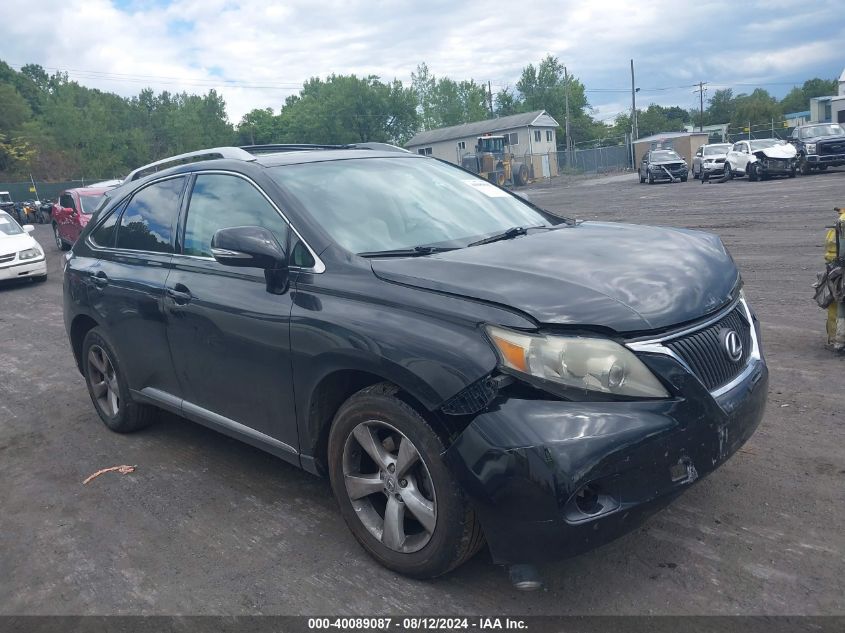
{"x":832,"y":147}
{"x":704,"y":351}
{"x":6,"y":258}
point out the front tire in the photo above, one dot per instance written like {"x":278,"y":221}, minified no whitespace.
{"x":729,"y":173}
{"x":60,"y":243}
{"x":396,"y":494}
{"x":804,"y":166}
{"x":108,"y":388}
{"x":752,"y":172}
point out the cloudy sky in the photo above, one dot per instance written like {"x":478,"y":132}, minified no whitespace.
{"x":258,"y":51}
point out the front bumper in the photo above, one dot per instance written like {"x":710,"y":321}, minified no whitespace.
{"x":777,"y":166}
{"x":826,"y":159}
{"x":713,"y":168}
{"x":662,"y":175}
{"x":20,"y":270}
{"x":552,"y":479}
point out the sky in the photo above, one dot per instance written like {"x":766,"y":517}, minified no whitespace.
{"x":256,"y":52}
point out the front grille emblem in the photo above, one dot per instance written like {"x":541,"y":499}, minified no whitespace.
{"x":732,"y":344}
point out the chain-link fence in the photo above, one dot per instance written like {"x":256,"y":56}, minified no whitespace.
{"x":595,"y":160}
{"x":20,"y":191}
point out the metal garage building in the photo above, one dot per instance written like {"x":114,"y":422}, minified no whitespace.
{"x":685,"y":143}
{"x":532,"y":137}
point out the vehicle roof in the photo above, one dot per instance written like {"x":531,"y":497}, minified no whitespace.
{"x":88,"y":191}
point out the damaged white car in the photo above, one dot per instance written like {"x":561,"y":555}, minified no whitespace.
{"x":760,"y":159}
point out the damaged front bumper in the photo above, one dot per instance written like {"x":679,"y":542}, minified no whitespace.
{"x":551,"y":479}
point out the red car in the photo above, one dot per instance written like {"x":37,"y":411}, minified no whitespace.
{"x":72,"y":212}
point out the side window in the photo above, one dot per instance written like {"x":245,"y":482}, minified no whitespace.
{"x":700,"y":152}
{"x":147,"y":222}
{"x":537,"y":136}
{"x":103,"y":235}
{"x":462,"y":145}
{"x":66,"y":202}
{"x":219,"y":201}
{"x":737,"y":147}
{"x":549,"y":135}
{"x":514,"y":138}
{"x":300,"y":256}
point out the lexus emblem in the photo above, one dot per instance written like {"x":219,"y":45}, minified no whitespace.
{"x":732,"y":344}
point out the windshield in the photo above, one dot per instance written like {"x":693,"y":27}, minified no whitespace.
{"x":89,"y":203}
{"x":8,"y":226}
{"x":765,"y":143}
{"x":377,"y":204}
{"x":831,"y":129}
{"x":665,"y":155}
{"x":5,"y":197}
{"x":713,"y":150}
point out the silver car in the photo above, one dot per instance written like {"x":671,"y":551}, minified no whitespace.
{"x":709,"y":160}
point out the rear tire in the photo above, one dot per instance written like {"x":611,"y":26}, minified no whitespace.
{"x":381,"y":500}
{"x":108,"y":388}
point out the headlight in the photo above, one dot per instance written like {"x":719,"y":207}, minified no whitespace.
{"x":30,"y":253}
{"x":811,"y":148}
{"x":580,"y":362}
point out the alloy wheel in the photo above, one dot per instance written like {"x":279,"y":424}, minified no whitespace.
{"x":103,"y":380}
{"x":389,"y":486}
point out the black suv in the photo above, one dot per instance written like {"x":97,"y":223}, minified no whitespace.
{"x":819,"y":145}
{"x":463,"y":365}
{"x":663,"y":164}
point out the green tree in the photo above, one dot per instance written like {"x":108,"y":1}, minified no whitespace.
{"x":798,"y":99}
{"x":756,"y":108}
{"x":14,"y":110}
{"x":720,"y":107}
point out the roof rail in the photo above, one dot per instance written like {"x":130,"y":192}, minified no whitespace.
{"x":288,"y":147}
{"x":235,"y":153}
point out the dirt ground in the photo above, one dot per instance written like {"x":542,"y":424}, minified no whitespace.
{"x":210,"y":526}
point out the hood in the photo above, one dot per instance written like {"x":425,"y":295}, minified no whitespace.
{"x":15,"y":243}
{"x":625,"y":277}
{"x":778,"y":151}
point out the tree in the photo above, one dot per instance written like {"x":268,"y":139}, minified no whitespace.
{"x":349,"y":109}
{"x":756,"y":108}
{"x":258,"y":127}
{"x":444,"y":101}
{"x":14,"y":110}
{"x":798,"y":99}
{"x":545,"y":88}
{"x":721,"y":107}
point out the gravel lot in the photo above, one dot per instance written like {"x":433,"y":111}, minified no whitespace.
{"x":210,"y":526}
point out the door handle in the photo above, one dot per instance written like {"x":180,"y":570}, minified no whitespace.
{"x":101,"y":279}
{"x":180,"y":294}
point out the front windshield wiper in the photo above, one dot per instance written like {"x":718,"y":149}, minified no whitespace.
{"x":416,"y":251}
{"x":514,"y":231}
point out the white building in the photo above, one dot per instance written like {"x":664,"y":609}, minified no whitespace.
{"x":531,"y":136}
{"x":829,"y":109}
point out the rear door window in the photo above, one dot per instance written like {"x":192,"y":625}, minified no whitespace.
{"x":147,"y":223}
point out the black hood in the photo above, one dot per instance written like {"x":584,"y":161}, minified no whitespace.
{"x":629,"y":278}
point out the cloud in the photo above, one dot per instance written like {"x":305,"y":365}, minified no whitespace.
{"x":270,"y":49}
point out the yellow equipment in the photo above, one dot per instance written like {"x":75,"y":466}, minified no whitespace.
{"x":834,"y":257}
{"x":494,"y":161}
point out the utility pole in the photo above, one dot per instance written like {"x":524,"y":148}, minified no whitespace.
{"x":634,"y":127}
{"x":490,"y":96}
{"x":700,"y":92}
{"x":566,"y":94}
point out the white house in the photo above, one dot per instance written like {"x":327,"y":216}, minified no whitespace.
{"x":531,"y":136}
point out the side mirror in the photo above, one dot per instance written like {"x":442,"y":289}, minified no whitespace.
{"x":253,"y":247}
{"x":28,"y":228}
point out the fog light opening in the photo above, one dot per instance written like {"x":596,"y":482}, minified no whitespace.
{"x":587,"y":500}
